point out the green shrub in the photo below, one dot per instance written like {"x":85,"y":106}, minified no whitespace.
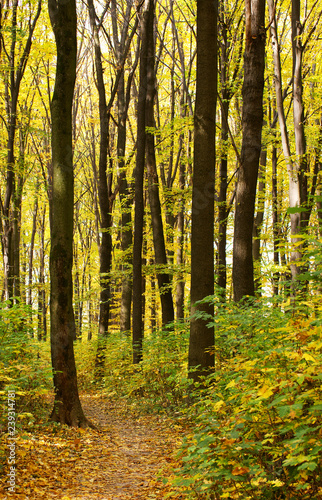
{"x":159,"y":382}
{"x":24,"y":362}
{"x":258,"y":427}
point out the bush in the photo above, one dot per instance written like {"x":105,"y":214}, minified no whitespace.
{"x":159,"y":382}
{"x":258,"y":422}
{"x":24,"y":362}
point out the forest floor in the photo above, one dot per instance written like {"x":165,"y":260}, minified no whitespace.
{"x":126,"y":458}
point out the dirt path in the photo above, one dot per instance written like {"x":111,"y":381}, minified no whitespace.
{"x":120,"y":462}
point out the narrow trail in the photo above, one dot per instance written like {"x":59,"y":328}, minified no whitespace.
{"x":120,"y":461}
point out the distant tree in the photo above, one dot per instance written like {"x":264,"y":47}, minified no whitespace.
{"x":67,"y":407}
{"x":201,"y":355}
{"x":16,"y":60}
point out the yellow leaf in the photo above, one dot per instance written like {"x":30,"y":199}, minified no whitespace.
{"x":232,"y":383}
{"x":218,"y":405}
{"x":277,"y":482}
{"x":308,"y":357}
{"x":265,"y":392}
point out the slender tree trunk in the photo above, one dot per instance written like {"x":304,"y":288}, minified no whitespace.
{"x":294,"y":185}
{"x":180,"y":245}
{"x":139,"y":190}
{"x":275,"y":219}
{"x":259,"y":218}
{"x":67,"y":407}
{"x":201,"y":350}
{"x":126,"y":197}
{"x":42,"y":306}
{"x":16,"y":232}
{"x":105,"y":248}
{"x":31,"y":253}
{"x":163,"y":277}
{"x":252,"y":120}
{"x":298,"y":111}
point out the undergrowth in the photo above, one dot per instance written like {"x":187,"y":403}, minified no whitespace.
{"x":258,"y":426}
{"x":255,"y":427}
{"x":159,"y":382}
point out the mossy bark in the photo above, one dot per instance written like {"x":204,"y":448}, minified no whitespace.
{"x":67,"y":407}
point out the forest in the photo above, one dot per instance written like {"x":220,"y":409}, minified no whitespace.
{"x":161,"y":249}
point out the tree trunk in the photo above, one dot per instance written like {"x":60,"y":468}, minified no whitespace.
{"x":180,"y":245}
{"x":228,"y":77}
{"x":294,"y":184}
{"x":32,"y":246}
{"x":67,"y":407}
{"x":105,"y":249}
{"x":42,"y":306}
{"x":139,"y":190}
{"x":259,"y":218}
{"x":125,"y":192}
{"x":201,"y":350}
{"x":275,"y":221}
{"x":252,"y":122}
{"x":163,"y":277}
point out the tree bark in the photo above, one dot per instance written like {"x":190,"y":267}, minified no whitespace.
{"x":104,"y":196}
{"x":67,"y":407}
{"x":252,"y":122}
{"x":294,"y":186}
{"x":163,"y":276}
{"x":125,"y":191}
{"x":275,"y":222}
{"x":201,"y":354}
{"x":259,"y":218}
{"x":137,"y":319}
{"x":228,"y":77}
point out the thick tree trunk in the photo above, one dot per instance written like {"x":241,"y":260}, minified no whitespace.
{"x":201,"y":350}
{"x":67,"y":407}
{"x":252,"y":121}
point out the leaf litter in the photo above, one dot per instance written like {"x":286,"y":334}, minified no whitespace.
{"x":125,"y":458}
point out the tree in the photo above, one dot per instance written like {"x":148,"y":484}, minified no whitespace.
{"x":147,"y":12}
{"x":201,"y":355}
{"x":252,"y":122}
{"x":11,"y":204}
{"x":67,"y":407}
{"x":104,"y":194}
{"x":231,"y":42}
{"x":163,"y":276}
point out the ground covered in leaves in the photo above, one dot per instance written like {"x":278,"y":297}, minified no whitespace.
{"x":126,"y":458}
